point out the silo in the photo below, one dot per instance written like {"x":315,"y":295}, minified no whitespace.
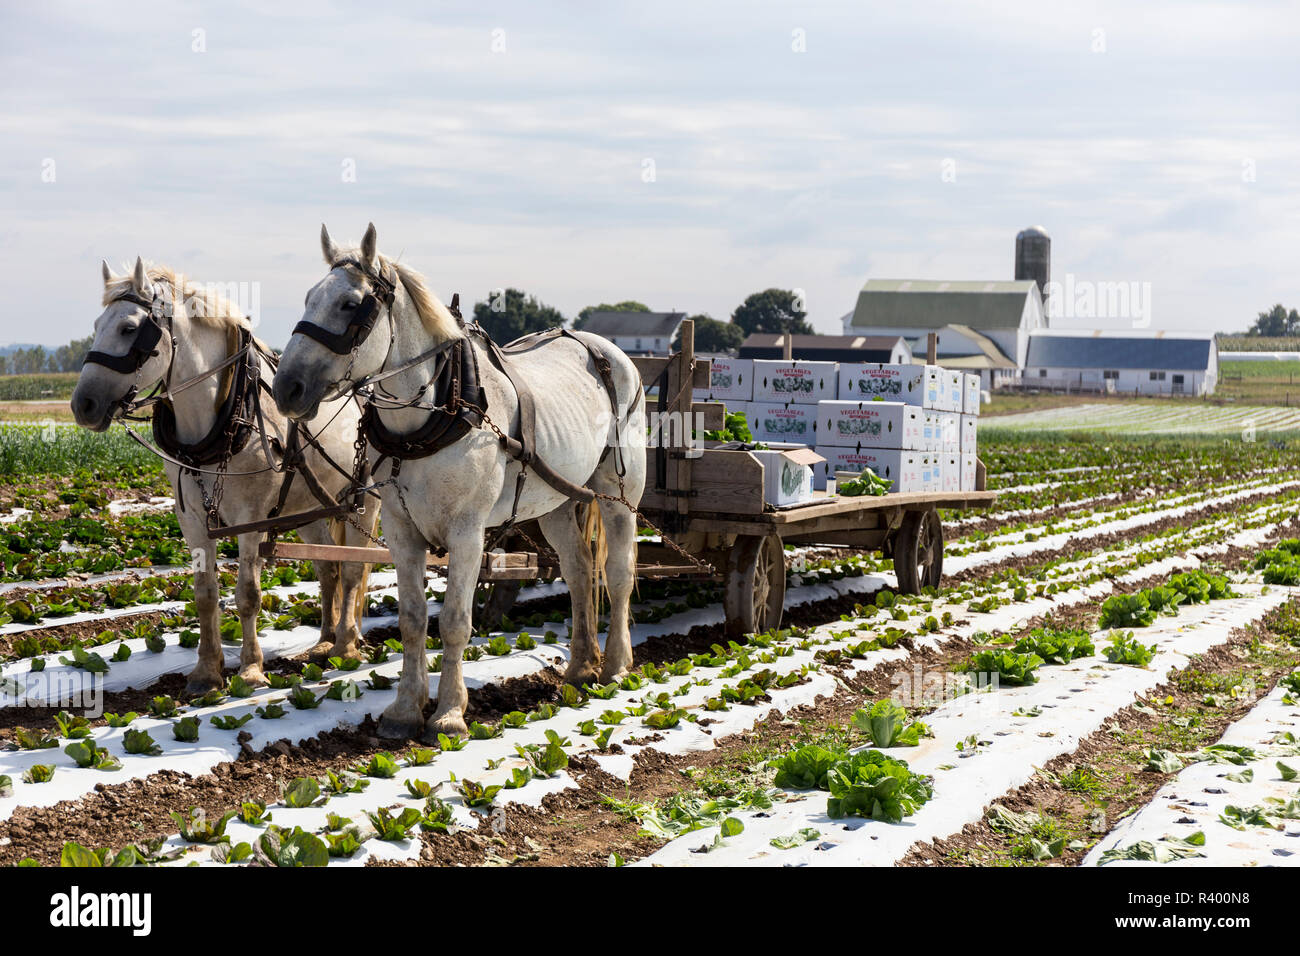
{"x":1034,"y":257}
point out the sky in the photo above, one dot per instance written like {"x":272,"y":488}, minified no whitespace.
{"x":681,"y":154}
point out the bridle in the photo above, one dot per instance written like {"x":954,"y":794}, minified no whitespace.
{"x":362,"y":321}
{"x":144,"y":346}
{"x":147,"y":336}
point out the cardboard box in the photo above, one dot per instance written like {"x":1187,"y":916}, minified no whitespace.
{"x":772,"y":422}
{"x":933,"y":387}
{"x":949,"y":432}
{"x":802,"y":383}
{"x":901,"y":468}
{"x":969,"y":433}
{"x":861,"y":382}
{"x":873,"y":424}
{"x":971,"y":401}
{"x":788,"y":474}
{"x":931,"y":480}
{"x":967,"y":472}
{"x":931,"y":431}
{"x":949,"y":472}
{"x":954,"y":390}
{"x":730,"y":380}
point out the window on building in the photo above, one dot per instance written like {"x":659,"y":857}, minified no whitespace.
{"x":638,"y":345}
{"x":1157,"y":376}
{"x":1042,"y":373}
{"x":1110,"y":373}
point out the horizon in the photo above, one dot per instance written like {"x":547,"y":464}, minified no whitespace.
{"x":680,"y":156}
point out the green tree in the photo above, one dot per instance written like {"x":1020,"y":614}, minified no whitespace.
{"x":773,"y":310}
{"x":1276,"y":321}
{"x":712,"y":335}
{"x":69,"y":357}
{"x":507,"y":316}
{"x":30,"y":361}
{"x":628,"y":306}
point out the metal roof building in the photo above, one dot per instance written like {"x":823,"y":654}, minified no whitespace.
{"x":1145,"y":361}
{"x":1001,"y":312}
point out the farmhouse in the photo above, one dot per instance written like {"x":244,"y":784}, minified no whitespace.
{"x":637,"y":333}
{"x":1141,"y":361}
{"x":987,"y":323}
{"x":889,"y":349}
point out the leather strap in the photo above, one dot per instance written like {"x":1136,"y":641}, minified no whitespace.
{"x":456,"y":383}
{"x":211,"y":448}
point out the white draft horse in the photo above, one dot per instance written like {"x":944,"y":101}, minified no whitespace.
{"x":585,"y":432}
{"x":158,"y":329}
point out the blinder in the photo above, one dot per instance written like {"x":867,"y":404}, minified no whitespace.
{"x":147,"y":336}
{"x":363,"y":318}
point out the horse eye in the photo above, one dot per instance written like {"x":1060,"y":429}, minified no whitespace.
{"x":128,"y":330}
{"x":348,"y":306}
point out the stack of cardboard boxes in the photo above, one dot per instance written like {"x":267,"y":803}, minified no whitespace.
{"x":913,"y":425}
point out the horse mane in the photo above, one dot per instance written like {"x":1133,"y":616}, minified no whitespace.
{"x":203,"y":304}
{"x":434,"y":316}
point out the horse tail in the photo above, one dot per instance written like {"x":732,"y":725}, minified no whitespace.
{"x":593,"y":538}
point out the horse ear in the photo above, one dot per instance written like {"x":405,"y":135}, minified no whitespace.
{"x":327,"y":247}
{"x":108,"y":273}
{"x":140,"y":278}
{"x":369,"y":246}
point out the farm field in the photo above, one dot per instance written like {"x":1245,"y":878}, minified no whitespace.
{"x":1135,"y":417}
{"x":1119,"y":636}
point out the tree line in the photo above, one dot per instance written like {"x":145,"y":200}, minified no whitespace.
{"x":508,"y":315}
{"x":38,"y":360}
{"x":1276,"y":322}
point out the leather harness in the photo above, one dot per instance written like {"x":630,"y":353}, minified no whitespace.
{"x":239,"y":415}
{"x":455,"y":381}
{"x":213,"y":446}
{"x":464,"y":407}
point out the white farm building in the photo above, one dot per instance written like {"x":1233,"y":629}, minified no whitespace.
{"x":1145,"y":362}
{"x":637,"y":333}
{"x":1002,"y":330}
{"x":983,"y":327}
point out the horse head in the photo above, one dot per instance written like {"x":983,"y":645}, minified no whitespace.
{"x":132,"y":349}
{"x":332,"y":347}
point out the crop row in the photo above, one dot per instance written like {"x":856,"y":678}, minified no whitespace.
{"x":927,"y":614}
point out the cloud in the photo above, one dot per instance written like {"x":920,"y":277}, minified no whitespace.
{"x":507,"y":146}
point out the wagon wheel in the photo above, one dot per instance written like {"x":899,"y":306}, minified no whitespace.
{"x":755,"y":590}
{"x":918,"y":551}
{"x":493,"y":601}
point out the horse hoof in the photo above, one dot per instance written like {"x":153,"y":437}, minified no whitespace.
{"x":395,"y":728}
{"x":453,"y":725}
{"x":198,"y":686}
{"x":613,"y":676}
{"x":253,"y":676}
{"x":577,"y":676}
{"x":350,"y":653}
{"x":321,"y":652}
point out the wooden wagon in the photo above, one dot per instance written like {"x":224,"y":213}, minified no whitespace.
{"x":709,"y":501}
